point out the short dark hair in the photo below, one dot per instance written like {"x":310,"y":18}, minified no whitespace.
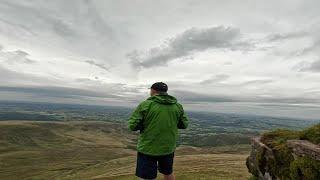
{"x":160,"y":87}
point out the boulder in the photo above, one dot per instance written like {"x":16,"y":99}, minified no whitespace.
{"x":261,"y":156}
{"x":302,"y":148}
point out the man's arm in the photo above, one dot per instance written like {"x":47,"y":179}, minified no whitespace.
{"x":183,"y":120}
{"x":136,"y":119}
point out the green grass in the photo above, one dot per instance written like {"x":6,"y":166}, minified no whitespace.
{"x":279,"y":136}
{"x":305,"y":168}
{"x":189,"y":167}
{"x":312,"y":134}
{"x":49,"y":149}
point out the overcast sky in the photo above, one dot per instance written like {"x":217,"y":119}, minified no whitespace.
{"x":248,"y":56}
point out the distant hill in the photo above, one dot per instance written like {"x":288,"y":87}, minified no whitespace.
{"x":206,"y":129}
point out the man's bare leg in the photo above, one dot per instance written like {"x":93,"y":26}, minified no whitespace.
{"x":169,"y":177}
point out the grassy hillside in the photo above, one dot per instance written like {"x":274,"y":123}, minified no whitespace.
{"x":99,"y":150}
{"x":189,"y":167}
{"x":43,"y":149}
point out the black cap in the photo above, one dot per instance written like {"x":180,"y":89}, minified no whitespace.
{"x":160,"y":86}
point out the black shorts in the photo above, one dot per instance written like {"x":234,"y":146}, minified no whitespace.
{"x":147,"y":166}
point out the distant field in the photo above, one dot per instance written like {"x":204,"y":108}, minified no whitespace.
{"x":99,"y":150}
{"x":206,"y":129}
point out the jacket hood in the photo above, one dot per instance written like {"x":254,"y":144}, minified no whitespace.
{"x":163,"y":99}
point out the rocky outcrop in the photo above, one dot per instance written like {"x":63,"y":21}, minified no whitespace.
{"x":304,"y":148}
{"x":262,"y":158}
{"x":259,"y":150}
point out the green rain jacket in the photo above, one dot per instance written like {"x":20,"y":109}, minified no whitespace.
{"x":158,"y":118}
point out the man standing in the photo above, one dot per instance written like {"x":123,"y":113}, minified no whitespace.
{"x":158,"y":118}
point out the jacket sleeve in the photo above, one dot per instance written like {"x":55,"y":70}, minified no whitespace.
{"x":183,"y":120}
{"x":136,"y":119}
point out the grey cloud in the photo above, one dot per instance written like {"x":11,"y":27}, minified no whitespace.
{"x":10,"y":77}
{"x":188,"y":96}
{"x":18,"y":56}
{"x":103,"y":31}
{"x":258,"y":82}
{"x":59,"y":95}
{"x":97,"y":21}
{"x":86,"y":80}
{"x":62,"y":28}
{"x":315,"y":47}
{"x":112,"y":93}
{"x":281,"y":105}
{"x":118,"y":89}
{"x":102,"y":66}
{"x":312,"y":34}
{"x":215,"y":79}
{"x":313,"y":67}
{"x":16,"y":26}
{"x":87,"y":14}
{"x":293,"y":100}
{"x":222,"y":77}
{"x":46,"y":20}
{"x":63,"y":92}
{"x":58,"y":24}
{"x":286,"y":36}
{"x":22,"y":57}
{"x":193,"y":97}
{"x":190,"y":41}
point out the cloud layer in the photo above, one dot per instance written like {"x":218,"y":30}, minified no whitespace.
{"x":189,"y":42}
{"x":211,"y":53}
